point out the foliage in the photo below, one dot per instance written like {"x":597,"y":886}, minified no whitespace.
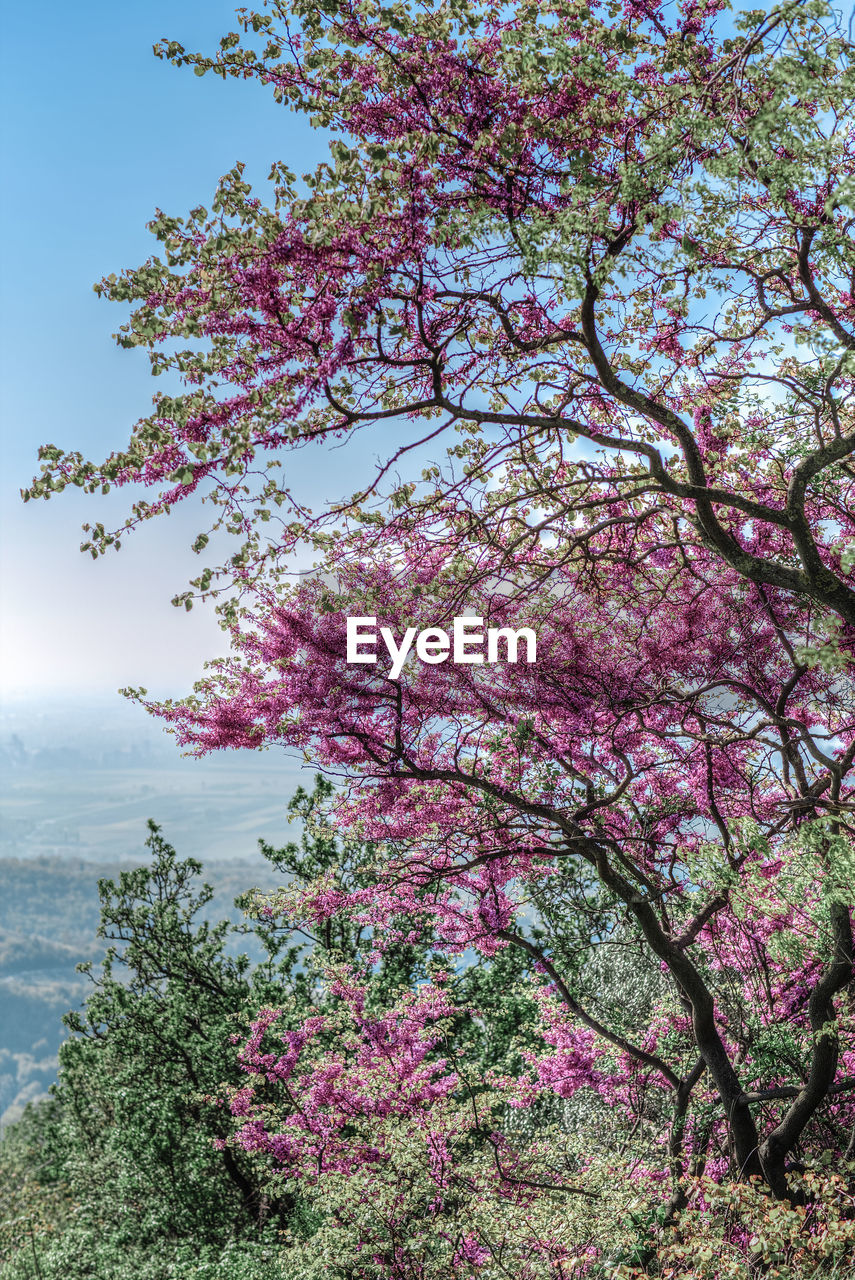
{"x":125,"y":1171}
{"x":565,"y":223}
{"x":737,"y":1232}
{"x":604,"y":253}
{"x":34,"y":1209}
{"x":127,"y":1140}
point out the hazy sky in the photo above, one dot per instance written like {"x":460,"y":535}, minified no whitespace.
{"x":97,"y":132}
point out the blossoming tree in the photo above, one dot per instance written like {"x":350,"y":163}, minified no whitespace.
{"x":582,"y":276}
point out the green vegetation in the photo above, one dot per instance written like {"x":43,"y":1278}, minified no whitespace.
{"x":49,"y":915}
{"x":117,"y":1174}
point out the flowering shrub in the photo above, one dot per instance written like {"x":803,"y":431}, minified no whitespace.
{"x":408,"y":1166}
{"x":737,"y":1232}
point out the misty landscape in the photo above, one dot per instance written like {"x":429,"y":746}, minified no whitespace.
{"x":79,"y":783}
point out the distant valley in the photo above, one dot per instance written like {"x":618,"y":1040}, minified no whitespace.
{"x":77,"y":785}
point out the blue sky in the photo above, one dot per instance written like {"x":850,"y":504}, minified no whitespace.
{"x":97,"y":132}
